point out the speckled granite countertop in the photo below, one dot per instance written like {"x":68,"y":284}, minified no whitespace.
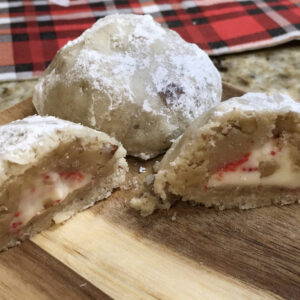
{"x":14,"y":92}
{"x":270,"y":70}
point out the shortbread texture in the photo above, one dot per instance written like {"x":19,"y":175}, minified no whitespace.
{"x":243,"y":153}
{"x":50,"y":169}
{"x":133,"y":79}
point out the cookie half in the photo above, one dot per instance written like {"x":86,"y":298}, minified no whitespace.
{"x":243,"y":153}
{"x":50,"y":169}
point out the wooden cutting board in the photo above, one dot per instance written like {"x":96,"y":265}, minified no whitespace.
{"x":184,"y":253}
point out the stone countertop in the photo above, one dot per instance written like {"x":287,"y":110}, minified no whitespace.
{"x":270,"y":70}
{"x":14,"y":92}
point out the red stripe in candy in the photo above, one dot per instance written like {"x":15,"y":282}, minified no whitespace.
{"x":17,"y":214}
{"x":73,"y":175}
{"x":16,"y":224}
{"x":232,"y":166}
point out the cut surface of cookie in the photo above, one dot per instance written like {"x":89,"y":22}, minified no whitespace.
{"x":133,"y":79}
{"x":50,"y":169}
{"x":243,"y":153}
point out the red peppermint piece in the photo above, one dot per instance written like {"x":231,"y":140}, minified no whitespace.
{"x":16,"y":224}
{"x":45,"y":176}
{"x":17,"y":214}
{"x":72,"y":175}
{"x":232,"y":166}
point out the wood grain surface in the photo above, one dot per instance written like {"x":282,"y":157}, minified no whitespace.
{"x":187,"y":252}
{"x":19,"y":111}
{"x":28,"y":272}
{"x":261,"y":247}
{"x":128,"y":265}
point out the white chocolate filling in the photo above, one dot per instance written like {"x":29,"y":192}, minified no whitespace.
{"x":49,"y":189}
{"x":245,"y":171}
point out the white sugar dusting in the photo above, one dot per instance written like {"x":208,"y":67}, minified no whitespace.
{"x":24,"y":142}
{"x":258,"y":102}
{"x":174,"y":63}
{"x":127,"y":67}
{"x":148,"y":32}
{"x":94,"y":67}
{"x":146,"y":106}
{"x":21,"y":134}
{"x":19,"y":140}
{"x":92,"y":115}
{"x":160,"y":76}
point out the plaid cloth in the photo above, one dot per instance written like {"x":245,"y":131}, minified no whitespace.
{"x":31,"y":31}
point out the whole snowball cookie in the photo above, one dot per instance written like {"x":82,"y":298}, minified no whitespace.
{"x":133,"y":79}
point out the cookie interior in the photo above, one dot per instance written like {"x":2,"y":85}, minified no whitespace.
{"x":243,"y":160}
{"x":68,"y":179}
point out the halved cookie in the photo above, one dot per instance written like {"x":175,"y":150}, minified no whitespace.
{"x":50,"y":169}
{"x":243,"y":153}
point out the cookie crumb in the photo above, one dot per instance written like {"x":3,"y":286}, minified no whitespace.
{"x":3,"y":208}
{"x":135,"y":183}
{"x":146,"y":204}
{"x":149,"y":179}
{"x":156,"y":166}
{"x":173,"y":218}
{"x":142,"y":169}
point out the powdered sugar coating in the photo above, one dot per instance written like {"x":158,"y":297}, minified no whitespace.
{"x":133,"y":79}
{"x":17,"y":138}
{"x":24,"y":142}
{"x":258,"y":102}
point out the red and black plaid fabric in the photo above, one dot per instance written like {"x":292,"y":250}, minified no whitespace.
{"x":31,"y":31}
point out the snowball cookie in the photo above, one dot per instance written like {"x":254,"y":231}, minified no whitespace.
{"x":243,"y":153}
{"x":133,"y":79}
{"x":50,"y":169}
